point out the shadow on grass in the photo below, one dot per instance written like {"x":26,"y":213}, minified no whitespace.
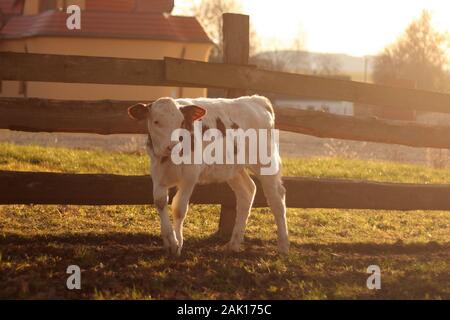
{"x":378,"y":248}
{"x":123,"y":265}
{"x":83,"y":238}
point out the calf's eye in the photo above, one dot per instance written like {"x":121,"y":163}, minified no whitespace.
{"x":156,"y":122}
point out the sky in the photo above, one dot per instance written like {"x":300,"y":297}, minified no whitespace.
{"x":355,"y":27}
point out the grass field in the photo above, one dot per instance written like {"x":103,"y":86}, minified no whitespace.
{"x":119,"y":250}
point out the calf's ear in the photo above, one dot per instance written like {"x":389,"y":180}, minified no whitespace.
{"x":192,"y":113}
{"x":139,"y":111}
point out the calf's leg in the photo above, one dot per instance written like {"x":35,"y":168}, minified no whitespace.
{"x":244,"y":188}
{"x":180,"y":207}
{"x":160,"y":197}
{"x":276,"y":198}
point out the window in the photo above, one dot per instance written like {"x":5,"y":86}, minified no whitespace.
{"x":45,"y":5}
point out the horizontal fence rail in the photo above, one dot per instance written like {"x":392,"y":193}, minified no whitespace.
{"x":105,"y":189}
{"x":186,"y":73}
{"x":327,"y":125}
{"x":229,"y":76}
{"x":110,"y":117}
{"x":82,"y":69}
{"x":41,"y":115}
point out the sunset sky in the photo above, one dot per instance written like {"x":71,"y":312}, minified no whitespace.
{"x":356,"y":27}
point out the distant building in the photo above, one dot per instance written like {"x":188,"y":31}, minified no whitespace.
{"x":345,"y":108}
{"x":335,"y":107}
{"x":139,"y":29}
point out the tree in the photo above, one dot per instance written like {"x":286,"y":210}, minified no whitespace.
{"x":209,"y":13}
{"x":419,"y":55}
{"x":291,"y":58}
{"x":327,"y":65}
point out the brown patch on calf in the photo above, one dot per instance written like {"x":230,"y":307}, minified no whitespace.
{"x":221,"y":126}
{"x":164,"y":159}
{"x":187,"y":125}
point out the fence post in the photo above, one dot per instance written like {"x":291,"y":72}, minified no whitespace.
{"x":236,"y":46}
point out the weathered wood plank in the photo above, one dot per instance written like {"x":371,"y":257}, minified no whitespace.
{"x":41,"y":115}
{"x":176,"y":72}
{"x":236,"y":49}
{"x":110,"y":117}
{"x":305,"y":86}
{"x":81,"y":69}
{"x":236,"y":44}
{"x":103,"y":189}
{"x":327,"y":125}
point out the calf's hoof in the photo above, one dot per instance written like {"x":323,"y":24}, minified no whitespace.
{"x":232,"y":246}
{"x":178,"y":253}
{"x":171,"y":244}
{"x":283,"y":248}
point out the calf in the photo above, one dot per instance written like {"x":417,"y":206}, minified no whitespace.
{"x":167,"y":115}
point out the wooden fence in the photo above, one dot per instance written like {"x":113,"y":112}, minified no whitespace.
{"x":108,"y":189}
{"x":110,"y":117}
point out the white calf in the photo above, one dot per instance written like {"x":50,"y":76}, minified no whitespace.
{"x":166,"y":115}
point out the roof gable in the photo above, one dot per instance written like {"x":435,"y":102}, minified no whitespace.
{"x":130,"y":5}
{"x":155,"y":26}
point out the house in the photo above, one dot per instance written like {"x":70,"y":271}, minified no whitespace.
{"x":344,"y":108}
{"x":138,"y":29}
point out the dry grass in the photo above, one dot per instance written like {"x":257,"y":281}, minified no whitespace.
{"x":119,"y":250}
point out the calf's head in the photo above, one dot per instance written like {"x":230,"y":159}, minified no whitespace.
{"x":163,"y":117}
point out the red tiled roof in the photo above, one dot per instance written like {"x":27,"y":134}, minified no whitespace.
{"x":130,"y":5}
{"x":155,"y":5}
{"x":110,"y":5}
{"x":156,"y":26}
{"x":10,"y":7}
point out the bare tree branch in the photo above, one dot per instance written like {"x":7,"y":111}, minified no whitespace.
{"x":419,"y":55}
